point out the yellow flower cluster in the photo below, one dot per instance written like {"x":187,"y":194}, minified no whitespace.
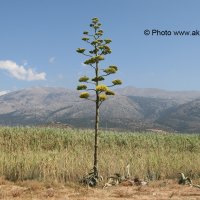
{"x":102,"y":97}
{"x":84,"y":95}
{"x":102,"y":88}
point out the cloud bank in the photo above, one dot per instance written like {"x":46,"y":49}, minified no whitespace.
{"x":20,"y":72}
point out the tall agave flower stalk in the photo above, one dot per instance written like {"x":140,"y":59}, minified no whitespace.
{"x":92,"y":87}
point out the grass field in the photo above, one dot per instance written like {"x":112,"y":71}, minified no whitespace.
{"x":64,"y":155}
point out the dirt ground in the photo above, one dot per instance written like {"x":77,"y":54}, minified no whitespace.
{"x":159,"y":190}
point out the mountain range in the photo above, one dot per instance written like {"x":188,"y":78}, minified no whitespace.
{"x":130,"y":109}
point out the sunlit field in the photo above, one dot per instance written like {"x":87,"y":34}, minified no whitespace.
{"x":65,"y":155}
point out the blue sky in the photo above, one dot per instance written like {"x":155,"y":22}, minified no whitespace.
{"x":38,"y":39}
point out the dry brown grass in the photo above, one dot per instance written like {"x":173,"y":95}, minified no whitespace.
{"x":156,"y":190}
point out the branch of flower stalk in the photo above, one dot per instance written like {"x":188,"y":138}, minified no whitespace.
{"x":87,"y":55}
{"x":107,"y":74}
{"x":100,"y":103}
{"x":99,"y":92}
{"x":90,"y":90}
{"x":91,"y":100}
{"x":97,"y":37}
{"x":90,"y":82}
{"x":88,"y":42}
{"x":101,"y":53}
{"x":92,"y":66}
{"x":110,"y":85}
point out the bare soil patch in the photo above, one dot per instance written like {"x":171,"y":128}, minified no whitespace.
{"x":158,"y":190}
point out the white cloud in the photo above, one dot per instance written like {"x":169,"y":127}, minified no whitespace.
{"x":52,"y":60}
{"x":4,"y":92}
{"x":20,"y":72}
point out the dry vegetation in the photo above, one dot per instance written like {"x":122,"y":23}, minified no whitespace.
{"x":48,"y":160}
{"x":64,"y":155}
{"x":156,"y":190}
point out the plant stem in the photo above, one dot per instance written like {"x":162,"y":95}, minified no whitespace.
{"x":96,"y":121}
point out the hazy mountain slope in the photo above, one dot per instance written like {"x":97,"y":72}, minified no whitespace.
{"x":34,"y":105}
{"x":152,"y":110}
{"x":179,"y":96}
{"x":185,"y":117}
{"x":42,"y":105}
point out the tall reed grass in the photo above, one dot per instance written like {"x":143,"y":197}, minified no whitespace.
{"x":65,"y":155}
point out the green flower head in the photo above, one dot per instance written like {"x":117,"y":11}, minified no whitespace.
{"x":117,"y":82}
{"x":100,"y":78}
{"x":84,"y":95}
{"x":94,"y":42}
{"x":95,"y":20}
{"x":85,"y":39}
{"x":114,"y":67}
{"x":100,"y":41}
{"x":107,"y":41}
{"x":81,"y":87}
{"x":94,"y":60}
{"x":109,"y":70}
{"x":83,"y":79}
{"x":110,"y":92}
{"x":99,"y":33}
{"x":80,"y":50}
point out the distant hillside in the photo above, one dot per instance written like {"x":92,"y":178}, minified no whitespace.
{"x":185,"y":117}
{"x":130,"y":109}
{"x":179,"y":96}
